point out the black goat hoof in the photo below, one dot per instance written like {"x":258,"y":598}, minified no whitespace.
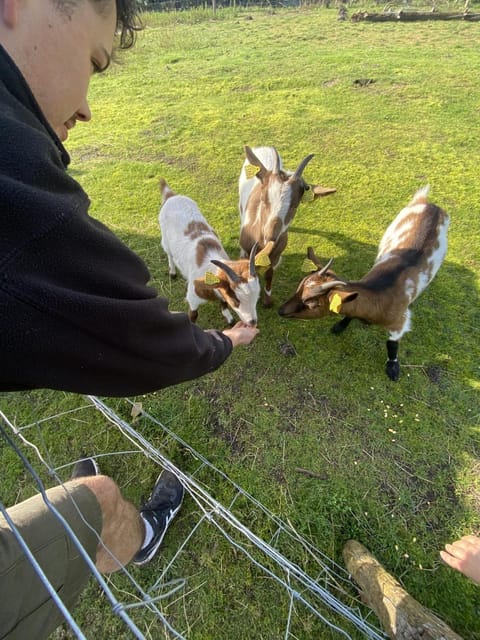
{"x":393,"y":370}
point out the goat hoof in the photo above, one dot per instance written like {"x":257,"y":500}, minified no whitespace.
{"x":393,"y":370}
{"x":268,"y":304}
{"x":173,"y":276}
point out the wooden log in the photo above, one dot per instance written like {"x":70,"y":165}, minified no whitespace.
{"x":401,"y":616}
{"x":413,"y":16}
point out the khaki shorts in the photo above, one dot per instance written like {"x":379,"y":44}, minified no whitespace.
{"x":26,"y":609}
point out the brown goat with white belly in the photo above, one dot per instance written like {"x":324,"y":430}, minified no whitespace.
{"x":410,"y":254}
{"x":269,"y":197}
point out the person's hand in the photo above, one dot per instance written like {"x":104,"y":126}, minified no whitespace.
{"x":464,"y":556}
{"x":241,"y":333}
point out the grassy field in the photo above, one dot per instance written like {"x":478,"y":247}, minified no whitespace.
{"x":395,"y":465}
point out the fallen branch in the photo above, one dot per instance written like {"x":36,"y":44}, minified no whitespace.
{"x":401,"y":616}
{"x":412,"y":16}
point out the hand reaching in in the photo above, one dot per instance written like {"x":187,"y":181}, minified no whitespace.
{"x":241,"y":333}
{"x":464,"y":556}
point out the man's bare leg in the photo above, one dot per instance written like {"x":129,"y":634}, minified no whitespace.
{"x":122,"y":532}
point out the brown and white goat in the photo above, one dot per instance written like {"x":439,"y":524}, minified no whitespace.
{"x":192,"y":247}
{"x":410,"y":254}
{"x":269,"y":197}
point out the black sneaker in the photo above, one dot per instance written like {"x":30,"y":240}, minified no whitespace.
{"x":85,"y":467}
{"x":159,"y":510}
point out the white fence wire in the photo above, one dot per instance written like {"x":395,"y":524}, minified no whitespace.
{"x":315,"y":596}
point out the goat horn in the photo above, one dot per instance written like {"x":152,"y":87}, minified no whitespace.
{"x":234,"y":277}
{"x":323,"y":289}
{"x":325,"y":268}
{"x":326,"y":286}
{"x":253,"y":253}
{"x":276,"y":163}
{"x":301,"y":167}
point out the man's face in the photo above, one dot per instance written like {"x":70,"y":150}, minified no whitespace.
{"x":61,"y":52}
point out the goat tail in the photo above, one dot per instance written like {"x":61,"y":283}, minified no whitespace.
{"x":421,"y":196}
{"x":165,"y":190}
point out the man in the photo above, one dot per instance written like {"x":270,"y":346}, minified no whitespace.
{"x":76,"y":312}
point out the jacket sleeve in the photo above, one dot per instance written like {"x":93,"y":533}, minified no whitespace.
{"x":77,"y":314}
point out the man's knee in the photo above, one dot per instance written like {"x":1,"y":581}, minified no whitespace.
{"x":106,"y":492}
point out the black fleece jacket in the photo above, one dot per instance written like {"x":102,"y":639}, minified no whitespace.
{"x":75,"y":310}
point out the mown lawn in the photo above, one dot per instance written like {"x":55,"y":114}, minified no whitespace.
{"x":394,"y":465}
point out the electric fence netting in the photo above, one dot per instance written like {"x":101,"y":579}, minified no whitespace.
{"x":314,"y":597}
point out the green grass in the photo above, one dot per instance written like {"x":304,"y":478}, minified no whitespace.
{"x":397,"y":464}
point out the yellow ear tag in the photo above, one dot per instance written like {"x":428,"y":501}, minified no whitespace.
{"x":262,"y":260}
{"x":335,"y":303}
{"x":251,"y":170}
{"x":308,"y":196}
{"x":211,"y":278}
{"x":308,"y":266}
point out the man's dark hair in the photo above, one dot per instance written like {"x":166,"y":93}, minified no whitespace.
{"x":128,"y":22}
{"x":128,"y":19}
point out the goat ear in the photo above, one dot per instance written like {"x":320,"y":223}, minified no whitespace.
{"x":319,"y":191}
{"x":312,"y":256}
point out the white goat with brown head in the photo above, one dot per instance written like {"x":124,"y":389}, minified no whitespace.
{"x":269,"y":197}
{"x":192,"y":247}
{"x":410,"y":254}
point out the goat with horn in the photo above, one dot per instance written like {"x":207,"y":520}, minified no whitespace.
{"x":192,"y":247}
{"x":269,"y":198}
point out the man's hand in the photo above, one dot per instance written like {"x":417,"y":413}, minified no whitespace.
{"x":464,"y":556}
{"x":241,"y":333}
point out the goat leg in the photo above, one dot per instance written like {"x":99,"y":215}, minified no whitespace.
{"x":338,"y":327}
{"x":392,"y":367}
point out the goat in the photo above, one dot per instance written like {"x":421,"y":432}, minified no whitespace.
{"x":191,"y":246}
{"x":410,"y":254}
{"x":268,"y":200}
